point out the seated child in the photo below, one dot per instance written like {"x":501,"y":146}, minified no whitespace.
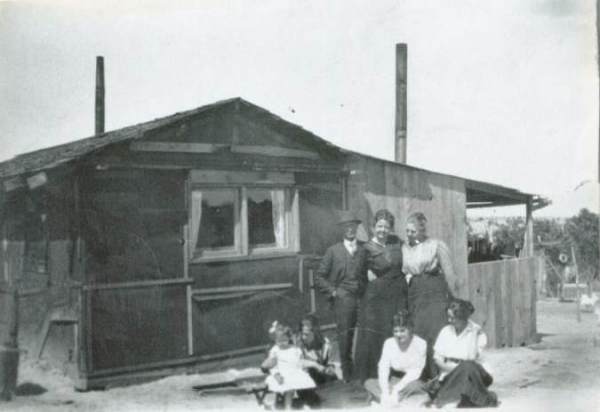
{"x":285,"y":366}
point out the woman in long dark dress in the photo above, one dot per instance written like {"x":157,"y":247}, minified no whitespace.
{"x":385,"y":295}
{"x":432,"y":283}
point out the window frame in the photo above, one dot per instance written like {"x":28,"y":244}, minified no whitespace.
{"x":241,"y":183}
{"x":223,"y":252}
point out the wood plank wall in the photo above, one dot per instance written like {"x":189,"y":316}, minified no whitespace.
{"x":42,"y":292}
{"x":132,"y":225}
{"x":374,"y":184}
{"x":504,"y":295}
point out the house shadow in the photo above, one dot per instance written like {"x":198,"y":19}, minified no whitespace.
{"x":30,"y":389}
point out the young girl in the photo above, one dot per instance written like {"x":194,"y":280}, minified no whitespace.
{"x":285,"y":365}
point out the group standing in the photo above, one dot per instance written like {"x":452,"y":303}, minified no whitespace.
{"x":398,"y":300}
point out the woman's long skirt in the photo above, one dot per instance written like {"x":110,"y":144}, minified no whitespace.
{"x":467,"y":384}
{"x":428,"y":299}
{"x":383,"y":298}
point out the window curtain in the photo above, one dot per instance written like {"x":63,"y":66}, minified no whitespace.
{"x":278,"y":208}
{"x":196,"y":218}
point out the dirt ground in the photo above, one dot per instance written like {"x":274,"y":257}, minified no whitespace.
{"x":561,"y":373}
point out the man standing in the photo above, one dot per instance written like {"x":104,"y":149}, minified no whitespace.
{"x":342,"y":277}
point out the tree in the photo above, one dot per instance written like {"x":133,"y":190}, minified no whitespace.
{"x":582,"y":231}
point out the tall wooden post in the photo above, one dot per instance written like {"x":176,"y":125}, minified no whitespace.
{"x":401,"y":76}
{"x":99,"y":119}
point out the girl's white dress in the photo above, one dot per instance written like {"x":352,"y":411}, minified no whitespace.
{"x":289,"y":366}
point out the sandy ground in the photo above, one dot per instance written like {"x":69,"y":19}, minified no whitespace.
{"x":561,"y":373}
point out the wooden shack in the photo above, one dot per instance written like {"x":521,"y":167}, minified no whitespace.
{"x":176,"y":242}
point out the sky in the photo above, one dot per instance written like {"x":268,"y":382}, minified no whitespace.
{"x":501,"y":91}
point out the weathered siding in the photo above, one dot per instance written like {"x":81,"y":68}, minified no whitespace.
{"x":504,"y":295}
{"x":240,"y":321}
{"x":244,"y":272}
{"x":132,"y":223}
{"x":320,"y":200}
{"x":374,"y":184}
{"x":137,"y":326}
{"x":233,"y":303}
{"x":38,"y":227}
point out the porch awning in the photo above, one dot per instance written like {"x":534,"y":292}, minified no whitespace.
{"x":481,"y":194}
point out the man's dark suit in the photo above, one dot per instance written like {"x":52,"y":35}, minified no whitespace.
{"x":346,"y":275}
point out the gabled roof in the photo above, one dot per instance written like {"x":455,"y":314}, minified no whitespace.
{"x":479,"y":194}
{"x":51,"y":157}
{"x":56,"y":155}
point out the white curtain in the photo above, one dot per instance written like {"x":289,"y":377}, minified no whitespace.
{"x":278,"y":207}
{"x":196,"y":218}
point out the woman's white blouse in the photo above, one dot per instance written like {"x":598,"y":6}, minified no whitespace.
{"x":411,"y":362}
{"x":427,"y":256}
{"x":468,"y":345}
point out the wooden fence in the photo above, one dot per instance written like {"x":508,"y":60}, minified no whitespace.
{"x":504,"y":294}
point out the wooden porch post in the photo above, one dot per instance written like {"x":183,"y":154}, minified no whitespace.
{"x":528,"y":246}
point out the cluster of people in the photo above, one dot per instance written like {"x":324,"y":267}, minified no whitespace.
{"x":401,"y":329}
{"x":298,"y":362}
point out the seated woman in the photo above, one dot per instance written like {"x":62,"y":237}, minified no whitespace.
{"x":457,"y":352}
{"x":402,"y":360}
{"x":316,"y":350}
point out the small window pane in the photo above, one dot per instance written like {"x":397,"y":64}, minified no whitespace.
{"x":217,"y":220}
{"x":266,"y":217}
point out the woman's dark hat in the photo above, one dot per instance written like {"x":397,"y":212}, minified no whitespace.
{"x":346,"y":216}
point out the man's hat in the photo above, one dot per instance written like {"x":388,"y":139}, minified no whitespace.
{"x":346,"y":216}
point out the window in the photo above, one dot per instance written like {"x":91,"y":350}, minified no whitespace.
{"x":266,"y":218}
{"x":216,"y":222}
{"x":242,"y":220}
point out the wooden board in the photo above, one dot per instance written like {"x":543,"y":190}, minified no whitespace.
{"x":132,"y":225}
{"x":239,"y":322}
{"x":503,"y":293}
{"x":132,"y":327}
{"x":269,"y":270}
{"x":482,"y":294}
{"x":373,"y":185}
